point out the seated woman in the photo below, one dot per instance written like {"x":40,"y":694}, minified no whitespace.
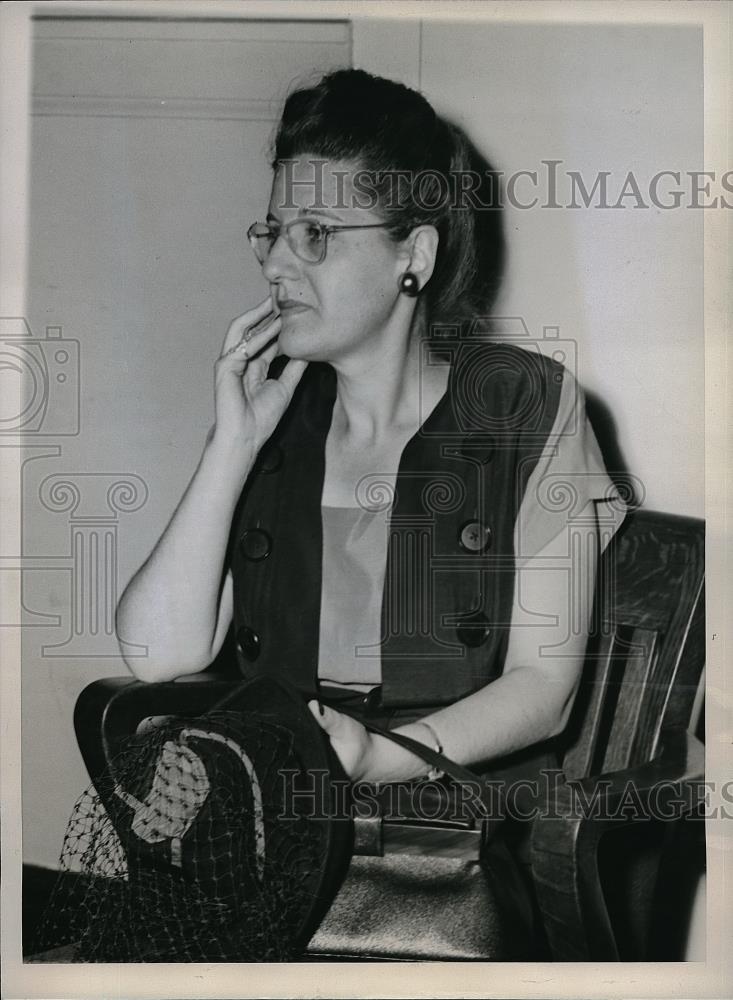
{"x":384,"y":519}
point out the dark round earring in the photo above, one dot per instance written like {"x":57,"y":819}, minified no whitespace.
{"x":409,"y":284}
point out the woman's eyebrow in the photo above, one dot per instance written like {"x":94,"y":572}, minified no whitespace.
{"x":307,"y":213}
{"x":326,"y":213}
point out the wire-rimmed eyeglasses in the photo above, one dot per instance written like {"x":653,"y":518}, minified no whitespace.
{"x":307,"y":238}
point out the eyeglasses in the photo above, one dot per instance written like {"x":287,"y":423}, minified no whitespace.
{"x":306,"y":238}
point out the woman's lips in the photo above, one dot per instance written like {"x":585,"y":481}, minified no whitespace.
{"x":291,"y":308}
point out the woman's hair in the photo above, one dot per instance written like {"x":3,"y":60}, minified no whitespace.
{"x":421,"y":170}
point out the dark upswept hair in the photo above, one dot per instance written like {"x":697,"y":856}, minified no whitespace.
{"x":387,"y":128}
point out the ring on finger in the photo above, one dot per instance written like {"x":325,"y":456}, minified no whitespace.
{"x":241,"y":346}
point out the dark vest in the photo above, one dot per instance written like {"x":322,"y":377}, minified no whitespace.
{"x":449,"y":580}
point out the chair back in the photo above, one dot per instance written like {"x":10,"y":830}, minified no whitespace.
{"x":646,"y":653}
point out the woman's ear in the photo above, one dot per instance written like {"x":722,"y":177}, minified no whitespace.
{"x":421,"y":248}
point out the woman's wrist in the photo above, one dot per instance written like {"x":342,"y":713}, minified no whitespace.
{"x":435,"y":744}
{"x":384,"y":760}
{"x":231,"y":453}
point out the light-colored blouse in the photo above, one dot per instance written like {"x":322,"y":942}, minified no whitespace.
{"x":354,"y":561}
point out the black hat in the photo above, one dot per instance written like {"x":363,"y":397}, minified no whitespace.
{"x":216,"y":838}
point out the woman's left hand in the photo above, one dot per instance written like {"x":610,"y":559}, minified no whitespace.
{"x":350,"y":740}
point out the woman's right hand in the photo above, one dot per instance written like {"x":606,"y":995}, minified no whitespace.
{"x":248,"y":405}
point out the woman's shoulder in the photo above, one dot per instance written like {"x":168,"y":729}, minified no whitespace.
{"x":514,"y":389}
{"x":507,"y":365}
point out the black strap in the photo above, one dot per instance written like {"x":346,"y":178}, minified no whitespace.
{"x":456,"y":771}
{"x":460,"y":774}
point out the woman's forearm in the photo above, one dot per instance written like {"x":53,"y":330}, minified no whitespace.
{"x":173,"y":603}
{"x":524,"y":706}
{"x":179,"y":604}
{"x":532,"y":699}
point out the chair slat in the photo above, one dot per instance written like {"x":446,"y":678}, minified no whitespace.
{"x":581,"y":752}
{"x":639,"y":656}
{"x":643,"y":663}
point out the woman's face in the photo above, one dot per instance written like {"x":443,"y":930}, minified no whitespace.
{"x":335,"y":309}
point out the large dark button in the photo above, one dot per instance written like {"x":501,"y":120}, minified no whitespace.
{"x":248,"y":642}
{"x":270,"y":458}
{"x":474,"y":536}
{"x":256,"y":544}
{"x":474,"y":630}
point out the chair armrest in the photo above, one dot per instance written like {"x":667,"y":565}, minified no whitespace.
{"x":564,"y":843}
{"x":607,"y":799}
{"x":109,"y":710}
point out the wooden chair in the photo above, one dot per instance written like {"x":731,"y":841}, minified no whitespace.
{"x":627,"y":749}
{"x":628,"y":744}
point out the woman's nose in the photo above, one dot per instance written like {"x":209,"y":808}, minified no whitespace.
{"x":281,"y":262}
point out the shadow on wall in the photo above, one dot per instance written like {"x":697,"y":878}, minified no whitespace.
{"x":605,"y":429}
